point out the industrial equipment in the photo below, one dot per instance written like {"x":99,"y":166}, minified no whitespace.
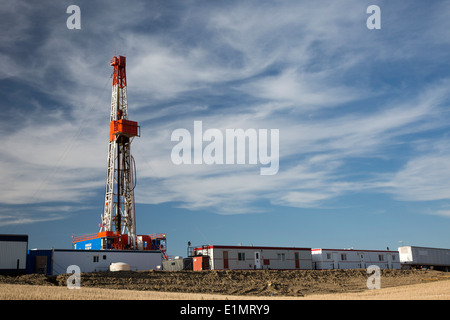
{"x":118,"y":221}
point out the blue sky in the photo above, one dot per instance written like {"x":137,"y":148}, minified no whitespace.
{"x":363,"y":119}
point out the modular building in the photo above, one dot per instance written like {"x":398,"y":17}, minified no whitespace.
{"x":56,"y":261}
{"x":218,"y":257}
{"x":354,"y":259}
{"x":13,"y":253}
{"x":177,"y":264}
{"x":424,"y":257}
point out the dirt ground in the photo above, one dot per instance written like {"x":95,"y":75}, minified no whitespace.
{"x":252,"y":283}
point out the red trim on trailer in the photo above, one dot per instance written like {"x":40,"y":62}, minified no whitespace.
{"x":251,"y":247}
{"x":354,"y":250}
{"x":358,"y":261}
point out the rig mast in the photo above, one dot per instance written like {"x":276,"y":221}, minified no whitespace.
{"x":119,"y":213}
{"x":118,"y":221}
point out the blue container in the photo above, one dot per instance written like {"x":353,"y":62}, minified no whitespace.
{"x":91,"y":244}
{"x":39,"y":261}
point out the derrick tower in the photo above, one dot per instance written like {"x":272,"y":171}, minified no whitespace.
{"x":118,"y":221}
{"x":119,"y":212}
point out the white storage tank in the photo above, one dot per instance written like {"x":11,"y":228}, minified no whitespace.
{"x":119,"y":266}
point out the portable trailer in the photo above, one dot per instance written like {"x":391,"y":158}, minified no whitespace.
{"x":354,"y":259}
{"x":217,"y":257}
{"x":412,"y":257}
{"x":56,"y":261}
{"x":13,"y":253}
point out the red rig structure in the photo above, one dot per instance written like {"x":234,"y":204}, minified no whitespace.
{"x":118,"y":222}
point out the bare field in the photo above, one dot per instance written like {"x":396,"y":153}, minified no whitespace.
{"x":232,"y":285}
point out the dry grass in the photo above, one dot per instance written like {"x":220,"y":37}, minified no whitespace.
{"x":34,"y":292}
{"x":439,"y":290}
{"x":436,"y":290}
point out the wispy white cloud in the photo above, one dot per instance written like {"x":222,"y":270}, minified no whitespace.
{"x":6,"y":220}
{"x":303,"y":90}
{"x":423,"y":178}
{"x":444,"y":213}
{"x":313,"y":151}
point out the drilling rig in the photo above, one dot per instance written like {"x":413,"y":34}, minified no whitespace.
{"x":118,"y":221}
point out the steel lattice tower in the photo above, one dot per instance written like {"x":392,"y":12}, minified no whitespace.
{"x":119,"y":211}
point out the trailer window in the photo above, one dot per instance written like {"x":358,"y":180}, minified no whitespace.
{"x":241,"y":256}
{"x":343,"y":256}
{"x":95,"y":258}
{"x":281,"y":256}
{"x":380,"y":257}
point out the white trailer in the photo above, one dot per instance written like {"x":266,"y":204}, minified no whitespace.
{"x":56,"y":261}
{"x":425,"y":257}
{"x":251,"y":257}
{"x":354,"y":259}
{"x":13,"y":253}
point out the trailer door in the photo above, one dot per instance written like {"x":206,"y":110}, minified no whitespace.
{"x":361,"y":259}
{"x":257,"y":260}
{"x":297,"y":260}
{"x":225,"y":259}
{"x":335,"y":260}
